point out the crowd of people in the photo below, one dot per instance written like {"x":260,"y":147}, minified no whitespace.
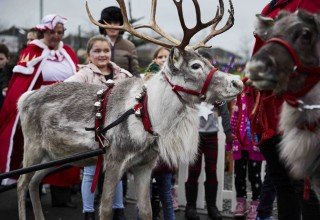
{"x":45,"y":60}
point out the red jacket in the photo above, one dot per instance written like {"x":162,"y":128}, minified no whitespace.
{"x":25,"y":77}
{"x":269,"y":106}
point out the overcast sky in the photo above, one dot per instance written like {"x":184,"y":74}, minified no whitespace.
{"x":26,"y":14}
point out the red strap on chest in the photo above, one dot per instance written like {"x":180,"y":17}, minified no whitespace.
{"x":143,"y":108}
{"x":99,"y":124}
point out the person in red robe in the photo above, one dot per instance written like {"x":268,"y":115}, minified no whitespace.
{"x":43,"y":62}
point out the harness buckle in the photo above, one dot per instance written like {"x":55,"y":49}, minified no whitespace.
{"x":300,"y":105}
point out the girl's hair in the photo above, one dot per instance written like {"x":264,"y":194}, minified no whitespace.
{"x":157,"y":51}
{"x":4,"y":49}
{"x":94,"y":39}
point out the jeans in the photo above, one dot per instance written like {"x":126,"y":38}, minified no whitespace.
{"x":88,"y":196}
{"x":289,"y":192}
{"x":164,"y":182}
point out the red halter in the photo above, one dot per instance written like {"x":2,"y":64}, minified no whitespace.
{"x":313,"y":73}
{"x":202,"y":94}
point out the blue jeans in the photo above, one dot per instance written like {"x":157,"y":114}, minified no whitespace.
{"x":88,"y":196}
{"x":164,"y":182}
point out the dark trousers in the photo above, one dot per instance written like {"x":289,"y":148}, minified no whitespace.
{"x":208,"y":146}
{"x":253,"y":168}
{"x":267,"y":196}
{"x":289,"y":191}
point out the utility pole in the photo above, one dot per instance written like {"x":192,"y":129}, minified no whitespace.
{"x":41,"y":9}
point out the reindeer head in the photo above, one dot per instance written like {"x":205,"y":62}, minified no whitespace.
{"x":188,"y":68}
{"x":290,"y":53}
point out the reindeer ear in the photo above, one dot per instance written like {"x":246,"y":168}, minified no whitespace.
{"x":262,"y":25}
{"x":174,"y":60}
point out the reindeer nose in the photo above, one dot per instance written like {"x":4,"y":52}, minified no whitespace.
{"x":237,"y":84}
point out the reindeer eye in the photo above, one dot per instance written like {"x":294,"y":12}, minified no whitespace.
{"x":306,"y":35}
{"x":195,"y":66}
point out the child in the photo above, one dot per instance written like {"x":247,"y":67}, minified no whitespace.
{"x":98,"y":71}
{"x":159,"y":58}
{"x":162,"y":174}
{"x":246,"y":156}
{"x":5,"y":71}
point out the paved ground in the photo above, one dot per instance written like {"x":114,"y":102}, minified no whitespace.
{"x":9,"y":209}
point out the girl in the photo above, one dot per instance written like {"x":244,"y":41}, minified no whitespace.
{"x":98,"y":71}
{"x":246,"y":156}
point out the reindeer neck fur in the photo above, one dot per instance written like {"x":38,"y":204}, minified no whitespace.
{"x":176,"y":122}
{"x":298,"y":145}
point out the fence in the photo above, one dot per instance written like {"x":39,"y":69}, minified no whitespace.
{"x":222,"y":193}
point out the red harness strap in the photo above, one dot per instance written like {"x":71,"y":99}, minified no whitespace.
{"x":201,"y":94}
{"x":100,"y":118}
{"x":141,"y":107}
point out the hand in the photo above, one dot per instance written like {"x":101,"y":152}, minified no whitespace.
{"x":229,"y":138}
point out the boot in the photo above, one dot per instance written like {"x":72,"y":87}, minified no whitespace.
{"x":191,"y":197}
{"x":89,"y":216}
{"x":155,"y":202}
{"x":252,"y":214}
{"x":241,"y":208}
{"x":211,"y":198}
{"x":118,"y":214}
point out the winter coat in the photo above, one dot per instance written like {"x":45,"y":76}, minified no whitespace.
{"x":91,"y":74}
{"x":236,"y":147}
{"x":28,"y":76}
{"x":125,"y":55}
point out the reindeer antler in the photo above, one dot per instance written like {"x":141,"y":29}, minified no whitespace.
{"x":188,"y":32}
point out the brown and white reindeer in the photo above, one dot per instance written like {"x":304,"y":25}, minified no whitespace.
{"x":53,"y":119}
{"x":289,"y":64}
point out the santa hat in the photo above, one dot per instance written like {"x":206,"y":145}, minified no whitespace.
{"x":49,"y":22}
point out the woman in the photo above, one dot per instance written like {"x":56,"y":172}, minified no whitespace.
{"x":41,"y":63}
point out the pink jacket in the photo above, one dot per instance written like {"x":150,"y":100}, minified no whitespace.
{"x":236,"y":147}
{"x":91,"y":74}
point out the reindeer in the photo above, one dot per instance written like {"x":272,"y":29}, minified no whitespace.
{"x":53,"y":119}
{"x":289,"y":64}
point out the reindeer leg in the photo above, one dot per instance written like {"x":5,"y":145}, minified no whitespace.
{"x":31,"y":180}
{"x":112,"y":177}
{"x":22,"y":187}
{"x":142,"y":175}
{"x":34,"y":192}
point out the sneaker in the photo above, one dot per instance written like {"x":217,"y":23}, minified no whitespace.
{"x":241,"y":207}
{"x":252,"y":214}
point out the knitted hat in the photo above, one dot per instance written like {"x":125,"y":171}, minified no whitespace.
{"x":49,"y":22}
{"x":109,"y":14}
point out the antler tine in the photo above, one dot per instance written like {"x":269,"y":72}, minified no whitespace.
{"x":127,"y":26}
{"x":214,"y":31}
{"x":155,"y":27}
{"x":188,"y":33}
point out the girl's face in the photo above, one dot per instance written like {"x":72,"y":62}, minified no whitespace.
{"x":3,"y":60}
{"x":100,"y":54}
{"x":162,"y":57}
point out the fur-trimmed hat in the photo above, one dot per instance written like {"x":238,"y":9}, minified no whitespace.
{"x":49,"y":22}
{"x":109,"y":14}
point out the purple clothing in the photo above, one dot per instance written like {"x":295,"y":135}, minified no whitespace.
{"x":253,"y":151}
